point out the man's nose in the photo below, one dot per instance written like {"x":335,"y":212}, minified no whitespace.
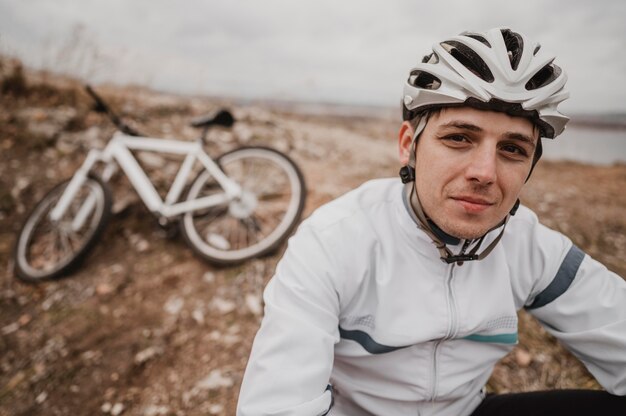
{"x":482,"y":167}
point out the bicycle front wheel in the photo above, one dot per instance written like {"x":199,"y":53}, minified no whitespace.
{"x":47,"y":249}
{"x":255,"y":224}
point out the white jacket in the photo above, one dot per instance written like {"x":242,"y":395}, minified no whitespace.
{"x":362,"y":302}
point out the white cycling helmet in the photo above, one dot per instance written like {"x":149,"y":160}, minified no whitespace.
{"x":497,"y":70}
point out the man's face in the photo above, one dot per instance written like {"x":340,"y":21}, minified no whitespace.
{"x":470,"y":167}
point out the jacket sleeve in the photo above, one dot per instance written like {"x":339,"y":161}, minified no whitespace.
{"x":292,"y":355}
{"x":584,"y":306}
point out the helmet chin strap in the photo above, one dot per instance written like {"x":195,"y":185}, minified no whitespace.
{"x":446,"y":255}
{"x":407,"y":173}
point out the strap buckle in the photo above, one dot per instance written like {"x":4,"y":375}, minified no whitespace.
{"x":407,"y":174}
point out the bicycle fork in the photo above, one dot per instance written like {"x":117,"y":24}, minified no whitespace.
{"x":74,"y":186}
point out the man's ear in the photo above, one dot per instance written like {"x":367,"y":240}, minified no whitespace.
{"x":405,"y":137}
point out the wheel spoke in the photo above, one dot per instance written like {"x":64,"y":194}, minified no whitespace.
{"x":66,"y":246}
{"x":51,"y":246}
{"x":277,"y":187}
{"x":252,"y":229}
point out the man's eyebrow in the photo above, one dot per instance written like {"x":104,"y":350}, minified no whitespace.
{"x":463,"y":125}
{"x":521,"y":137}
{"x":473,"y":127}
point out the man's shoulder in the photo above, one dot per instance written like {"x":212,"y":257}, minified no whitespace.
{"x":526,"y":230}
{"x":357,"y":205}
{"x":524,"y":218}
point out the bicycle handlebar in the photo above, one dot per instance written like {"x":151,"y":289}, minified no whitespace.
{"x":104,"y":107}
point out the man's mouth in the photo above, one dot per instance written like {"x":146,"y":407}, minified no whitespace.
{"x":473,"y":204}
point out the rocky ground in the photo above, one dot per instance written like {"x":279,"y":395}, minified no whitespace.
{"x":144,"y":327}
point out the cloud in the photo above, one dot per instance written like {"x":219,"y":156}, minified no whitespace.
{"x":348,"y":51}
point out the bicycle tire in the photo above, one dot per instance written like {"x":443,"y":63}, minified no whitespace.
{"x":216,"y":234}
{"x":35,"y":256}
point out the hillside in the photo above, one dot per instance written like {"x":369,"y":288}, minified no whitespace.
{"x":144,"y":327}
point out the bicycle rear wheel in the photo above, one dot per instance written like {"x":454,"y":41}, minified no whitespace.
{"x":47,"y":249}
{"x":255,"y":224}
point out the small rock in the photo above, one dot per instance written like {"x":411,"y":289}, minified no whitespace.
{"x":216,"y":409}
{"x":253,"y":302}
{"x":46,"y":130}
{"x":147,"y":354}
{"x":198,"y":315}
{"x":138,"y":243}
{"x":117,"y":409}
{"x":209,"y":277}
{"x":106,"y":407}
{"x":40,"y":368}
{"x":523,"y":358}
{"x":153,"y":410}
{"x":91,"y":355}
{"x":142,"y":246}
{"x":187,"y":397}
{"x":223,"y":306}
{"x":281,"y":144}
{"x":24,"y":319}
{"x":91,"y":137}
{"x":41,"y":397}
{"x":22,"y":300}
{"x":220,"y":136}
{"x":62,"y":115}
{"x":51,"y":300}
{"x":243,"y":133}
{"x":10,"y":328}
{"x":213,"y":381}
{"x":104,"y":289}
{"x":230,"y":339}
{"x":173,"y":378}
{"x":174,"y":305}
{"x":20,"y":185}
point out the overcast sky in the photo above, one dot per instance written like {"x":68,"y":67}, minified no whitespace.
{"x":347,"y":51}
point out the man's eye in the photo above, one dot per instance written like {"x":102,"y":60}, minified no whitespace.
{"x":509,"y":148}
{"x":456,"y":138}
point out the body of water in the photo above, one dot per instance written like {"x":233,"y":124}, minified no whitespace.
{"x":601,"y":146}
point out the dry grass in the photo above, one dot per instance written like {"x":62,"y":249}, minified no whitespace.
{"x":77,"y":340}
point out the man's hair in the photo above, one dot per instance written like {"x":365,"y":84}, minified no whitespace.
{"x":428,"y":114}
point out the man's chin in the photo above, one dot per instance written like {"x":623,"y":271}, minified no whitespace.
{"x":465,"y":232}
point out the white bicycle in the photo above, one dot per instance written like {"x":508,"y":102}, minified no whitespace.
{"x":241,"y":205}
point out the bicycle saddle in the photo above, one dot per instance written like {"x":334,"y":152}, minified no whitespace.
{"x":221,"y":117}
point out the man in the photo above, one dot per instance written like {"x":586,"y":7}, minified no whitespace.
{"x":399,"y":299}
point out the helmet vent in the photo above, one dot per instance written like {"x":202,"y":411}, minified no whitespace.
{"x":536,"y":49}
{"x":469,"y":59}
{"x":424,"y":80}
{"x":477,"y":37}
{"x":514,"y":46}
{"x":430,"y":59}
{"x":546,"y":75}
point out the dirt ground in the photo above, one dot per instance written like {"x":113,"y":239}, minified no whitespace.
{"x":144,"y":327}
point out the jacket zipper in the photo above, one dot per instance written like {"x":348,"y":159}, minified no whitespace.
{"x":450,"y":333}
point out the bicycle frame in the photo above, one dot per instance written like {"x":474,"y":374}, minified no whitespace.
{"x":119,"y":150}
